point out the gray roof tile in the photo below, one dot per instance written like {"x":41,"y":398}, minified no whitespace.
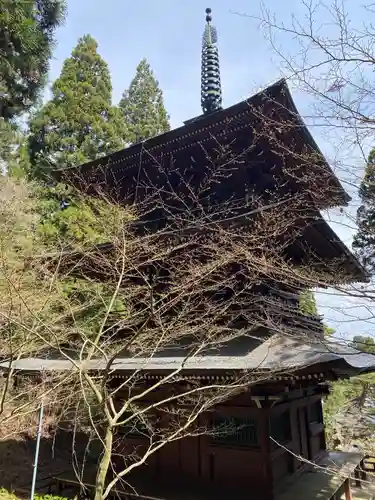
{"x":276,"y":353}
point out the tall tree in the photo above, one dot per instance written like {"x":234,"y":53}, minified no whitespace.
{"x":365,"y":344}
{"x":142,"y":105}
{"x":309,"y":307}
{"x":364,"y":240}
{"x":79,"y":124}
{"x":7,"y":139}
{"x":27,"y":30}
{"x":308,"y":303}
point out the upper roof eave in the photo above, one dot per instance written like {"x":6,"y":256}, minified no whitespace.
{"x":359,"y":272}
{"x":178,"y":133}
{"x":311,"y":141}
{"x":277,"y":91}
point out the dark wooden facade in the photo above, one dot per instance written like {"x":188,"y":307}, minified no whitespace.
{"x":245,"y":461}
{"x":265,"y":437}
{"x":258,"y":147}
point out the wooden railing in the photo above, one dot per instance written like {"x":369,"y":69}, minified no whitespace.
{"x":368,"y":464}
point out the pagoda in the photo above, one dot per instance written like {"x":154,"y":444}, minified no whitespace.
{"x":257,"y":153}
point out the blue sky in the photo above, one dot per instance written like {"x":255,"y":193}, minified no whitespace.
{"x":168,"y":34}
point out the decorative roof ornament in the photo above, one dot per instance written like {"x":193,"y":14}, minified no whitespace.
{"x":210,"y":77}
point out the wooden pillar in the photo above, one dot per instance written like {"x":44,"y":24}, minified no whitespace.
{"x":357,"y":476}
{"x":347,"y":490}
{"x":265,"y":444}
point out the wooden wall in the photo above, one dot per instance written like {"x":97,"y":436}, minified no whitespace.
{"x":259,"y":469}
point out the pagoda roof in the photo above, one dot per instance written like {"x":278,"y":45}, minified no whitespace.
{"x":123,"y":168}
{"x":218,"y":125}
{"x":279,"y":354}
{"x":319,"y":231}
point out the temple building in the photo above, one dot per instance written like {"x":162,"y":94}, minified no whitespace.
{"x":271,"y":441}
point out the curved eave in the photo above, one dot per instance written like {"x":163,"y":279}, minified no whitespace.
{"x":279,"y":354}
{"x":308,"y":138}
{"x":336,"y":357}
{"x":235,"y":117}
{"x":356,"y":272}
{"x":345,"y":367}
{"x":169,"y":140}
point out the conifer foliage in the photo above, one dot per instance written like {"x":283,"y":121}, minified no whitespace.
{"x":27,"y":30}
{"x":79,"y":124}
{"x":364,"y":240}
{"x":308,"y":304}
{"x":142,"y":105}
{"x":309,"y":307}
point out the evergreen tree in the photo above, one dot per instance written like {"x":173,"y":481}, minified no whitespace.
{"x":142,"y":105}
{"x":27,"y":34}
{"x":348,"y":413}
{"x":7,"y":139}
{"x":364,"y":344}
{"x":307,"y":303}
{"x":79,"y":124}
{"x":364,"y":240}
{"x":18,"y":161}
{"x":309,"y":307}
{"x":349,"y":409}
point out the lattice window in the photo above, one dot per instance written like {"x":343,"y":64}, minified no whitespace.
{"x":281,"y":430}
{"x":235,"y":431}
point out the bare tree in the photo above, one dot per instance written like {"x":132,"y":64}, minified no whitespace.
{"x":129,"y":323}
{"x":326,"y":52}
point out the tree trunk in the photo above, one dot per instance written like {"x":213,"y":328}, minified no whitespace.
{"x":104,"y":464}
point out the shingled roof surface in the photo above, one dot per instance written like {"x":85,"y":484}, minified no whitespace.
{"x":278,"y":353}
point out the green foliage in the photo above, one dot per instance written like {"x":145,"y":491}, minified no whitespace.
{"x":335,"y":407}
{"x":18,"y":162}
{"x":142,"y":105}
{"x":8,"y":495}
{"x":309,"y":307}
{"x":19,"y":302}
{"x":347,"y":413}
{"x":49,"y":497}
{"x":79,"y":124}
{"x":308,"y":303}
{"x":328,"y":330}
{"x":85,"y":222}
{"x":33,"y":225}
{"x":27,"y":34}
{"x":364,"y":240}
{"x":8,"y":137}
{"x":348,"y":408}
{"x":90,"y":301}
{"x":365,"y":344}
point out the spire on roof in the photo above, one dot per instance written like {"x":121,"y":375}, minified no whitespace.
{"x":210,"y":79}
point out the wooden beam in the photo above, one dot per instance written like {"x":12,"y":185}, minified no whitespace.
{"x":258,"y":400}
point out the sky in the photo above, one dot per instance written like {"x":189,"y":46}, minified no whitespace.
{"x":169,"y":34}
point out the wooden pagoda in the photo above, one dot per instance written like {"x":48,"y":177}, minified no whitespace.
{"x":258,"y":147}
